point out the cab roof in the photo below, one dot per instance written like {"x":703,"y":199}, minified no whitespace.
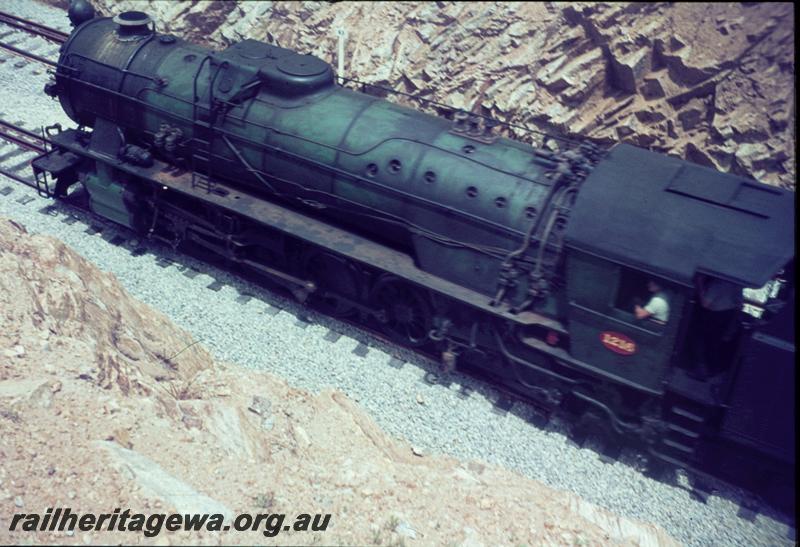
{"x":674,"y":219}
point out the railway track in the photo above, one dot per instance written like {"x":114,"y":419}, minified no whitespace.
{"x":18,"y":148}
{"x":20,"y":145}
{"x":10,"y":38}
{"x":27,"y":55}
{"x":23,"y":137}
{"x":32,"y":27}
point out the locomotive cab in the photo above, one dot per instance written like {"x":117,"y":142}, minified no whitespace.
{"x":604,"y":329}
{"x":641,"y":216}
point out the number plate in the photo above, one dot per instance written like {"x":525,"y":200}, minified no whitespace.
{"x":618,"y":343}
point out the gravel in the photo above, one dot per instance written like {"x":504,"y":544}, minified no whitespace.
{"x":268,"y":332}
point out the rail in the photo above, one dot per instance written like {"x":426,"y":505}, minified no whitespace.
{"x":33,"y":27}
{"x":23,"y":138}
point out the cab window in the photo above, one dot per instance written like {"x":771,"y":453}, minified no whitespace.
{"x":648,"y":293}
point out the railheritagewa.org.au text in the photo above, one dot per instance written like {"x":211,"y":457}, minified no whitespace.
{"x":64,"y":519}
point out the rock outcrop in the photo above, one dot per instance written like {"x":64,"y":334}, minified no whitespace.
{"x":712,"y":83}
{"x":105,"y":404}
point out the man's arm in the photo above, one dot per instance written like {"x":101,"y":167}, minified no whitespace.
{"x":641,"y":313}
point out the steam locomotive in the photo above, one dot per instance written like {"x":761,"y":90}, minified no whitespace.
{"x":526,"y":262}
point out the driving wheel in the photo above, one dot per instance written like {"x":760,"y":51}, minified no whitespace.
{"x":406,"y":311}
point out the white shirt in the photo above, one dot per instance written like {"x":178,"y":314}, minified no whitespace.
{"x":658,"y":307}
